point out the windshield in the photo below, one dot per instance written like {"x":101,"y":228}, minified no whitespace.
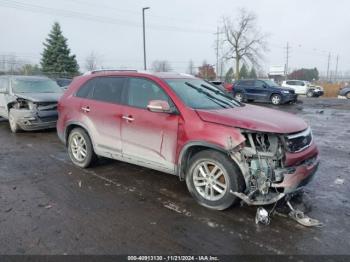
{"x":199,"y":94}
{"x":36,"y":85}
{"x":271,"y":83}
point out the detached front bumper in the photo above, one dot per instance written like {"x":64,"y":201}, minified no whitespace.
{"x":30,"y":120}
{"x":295,"y":177}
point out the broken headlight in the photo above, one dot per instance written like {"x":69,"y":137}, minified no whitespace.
{"x":299,"y":141}
{"x":25,"y":104}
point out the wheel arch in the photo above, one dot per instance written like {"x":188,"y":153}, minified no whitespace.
{"x":347,"y":94}
{"x":275,"y":93}
{"x":70,"y":126}
{"x":189,"y":150}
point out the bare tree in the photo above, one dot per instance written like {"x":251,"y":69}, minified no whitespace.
{"x":243,"y":41}
{"x":161,"y":66}
{"x":91,"y":62}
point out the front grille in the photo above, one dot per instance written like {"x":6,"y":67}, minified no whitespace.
{"x":45,"y":106}
{"x":48,"y":119}
{"x":299,"y":141}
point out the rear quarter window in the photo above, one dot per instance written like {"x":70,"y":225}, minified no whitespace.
{"x":105,"y":89}
{"x":108,"y":89}
{"x":86,"y":89}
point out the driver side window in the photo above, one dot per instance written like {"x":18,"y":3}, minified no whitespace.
{"x":141,"y":91}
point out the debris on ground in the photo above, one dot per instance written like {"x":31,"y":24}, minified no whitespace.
{"x":262,"y":216}
{"x":303,"y":219}
{"x":8,"y":210}
{"x":339,"y":181}
{"x":48,"y":206}
{"x":320,"y":111}
{"x":79,"y":183}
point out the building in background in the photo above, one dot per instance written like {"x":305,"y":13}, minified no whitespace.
{"x":277,"y":73}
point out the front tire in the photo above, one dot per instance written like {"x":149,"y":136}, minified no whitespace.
{"x":210,"y":177}
{"x":276,"y":99}
{"x":13,"y":124}
{"x":347,"y":95}
{"x":80,"y":148}
{"x":309,"y":94}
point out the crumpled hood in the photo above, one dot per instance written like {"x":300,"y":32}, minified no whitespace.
{"x":255,"y":118}
{"x":40,"y":97}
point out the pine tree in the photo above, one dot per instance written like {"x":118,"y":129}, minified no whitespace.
{"x":243,"y":73}
{"x":56,"y":58}
{"x":229,"y":75}
{"x":252,"y":74}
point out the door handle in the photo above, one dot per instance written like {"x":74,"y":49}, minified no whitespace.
{"x":86,"y":109}
{"x":128,"y":118}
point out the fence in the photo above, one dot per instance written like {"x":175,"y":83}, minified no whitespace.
{"x":331,"y":90}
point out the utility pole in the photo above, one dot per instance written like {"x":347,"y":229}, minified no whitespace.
{"x":217,"y":52}
{"x":287,"y":60}
{"x":144,"y":38}
{"x":336,"y":70}
{"x":329,"y":60}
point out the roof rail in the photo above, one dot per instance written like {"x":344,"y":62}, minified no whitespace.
{"x":109,"y":70}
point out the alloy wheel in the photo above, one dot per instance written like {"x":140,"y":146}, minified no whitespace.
{"x":276,"y":100}
{"x":78,"y":147}
{"x":210,"y":181}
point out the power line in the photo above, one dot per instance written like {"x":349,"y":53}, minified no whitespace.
{"x":132,"y":12}
{"x":90,"y":17}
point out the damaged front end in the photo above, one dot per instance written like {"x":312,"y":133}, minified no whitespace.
{"x":30,"y":115}
{"x":274,"y":165}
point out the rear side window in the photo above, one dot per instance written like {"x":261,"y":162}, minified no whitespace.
{"x":108,"y":89}
{"x":259,"y":83}
{"x":247,"y":83}
{"x":290,"y":83}
{"x":85,"y":90}
{"x":141,"y":91}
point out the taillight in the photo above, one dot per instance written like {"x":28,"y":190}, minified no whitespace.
{"x":228,"y":87}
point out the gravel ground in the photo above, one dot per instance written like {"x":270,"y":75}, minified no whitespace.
{"x":48,"y":206}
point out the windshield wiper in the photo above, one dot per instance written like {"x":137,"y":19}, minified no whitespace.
{"x":216,"y":100}
{"x":219,"y":92}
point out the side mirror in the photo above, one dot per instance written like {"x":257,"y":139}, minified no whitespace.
{"x":159,"y":106}
{"x":3,"y":90}
{"x":265,"y":86}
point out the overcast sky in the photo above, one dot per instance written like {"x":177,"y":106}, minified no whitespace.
{"x":177,"y":30}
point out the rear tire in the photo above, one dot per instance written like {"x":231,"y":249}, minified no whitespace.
{"x":347,"y":95}
{"x":13,"y":124}
{"x":276,"y":99}
{"x":80,"y":148}
{"x":210,"y":177}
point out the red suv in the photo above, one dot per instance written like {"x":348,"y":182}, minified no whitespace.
{"x":226,"y":151}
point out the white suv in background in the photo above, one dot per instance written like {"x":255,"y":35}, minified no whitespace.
{"x":304,"y":88}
